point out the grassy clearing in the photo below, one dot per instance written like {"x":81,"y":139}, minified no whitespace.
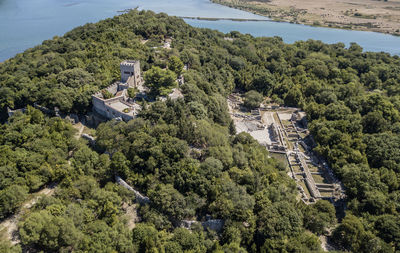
{"x":312,"y":168}
{"x":296,"y":168}
{"x":326,"y":194}
{"x":319,"y":179}
{"x":305,"y":189}
{"x":281,"y":158}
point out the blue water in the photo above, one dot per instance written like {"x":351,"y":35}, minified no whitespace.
{"x":290,"y":33}
{"x":26,"y":23}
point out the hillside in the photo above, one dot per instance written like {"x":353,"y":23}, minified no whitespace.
{"x":184,"y":155}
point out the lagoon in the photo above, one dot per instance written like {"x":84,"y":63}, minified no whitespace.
{"x":370,"y":41}
{"x":26,"y":23}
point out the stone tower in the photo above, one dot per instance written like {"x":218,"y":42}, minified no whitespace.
{"x":130,"y":72}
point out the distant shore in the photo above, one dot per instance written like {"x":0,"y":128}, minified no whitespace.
{"x":352,"y":15}
{"x":230,"y":19}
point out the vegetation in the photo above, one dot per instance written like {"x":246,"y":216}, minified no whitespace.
{"x":34,"y":150}
{"x":175,"y":64}
{"x":184,"y":154}
{"x":106,"y":94}
{"x":252,"y":99}
{"x":160,"y":81}
{"x":132,"y":92}
{"x":377,"y":16}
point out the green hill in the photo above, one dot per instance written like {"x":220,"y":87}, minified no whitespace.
{"x":184,"y":154}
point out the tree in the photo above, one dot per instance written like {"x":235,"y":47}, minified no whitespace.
{"x":132,"y":92}
{"x":145,"y":237}
{"x":231,"y":201}
{"x":11,"y":198}
{"x":75,"y":78}
{"x":374,"y":122}
{"x":7,"y":247}
{"x":198,"y":110}
{"x":168,"y":200}
{"x":349,"y":233}
{"x":252,"y":99}
{"x":383,"y":150}
{"x":279,"y":220}
{"x":106,"y":94}
{"x":49,"y":232}
{"x":319,"y":217}
{"x":389,"y":229}
{"x":160,"y":81}
{"x":119,"y":164}
{"x":175,"y":64}
{"x":293,"y":97}
{"x":189,"y":241}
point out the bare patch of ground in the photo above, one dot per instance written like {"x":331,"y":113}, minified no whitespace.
{"x":9,"y":226}
{"x":131,"y":215}
{"x":324,"y":239}
{"x":80,"y":127}
{"x":366,"y":15}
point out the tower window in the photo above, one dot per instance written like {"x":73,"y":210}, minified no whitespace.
{"x":127,"y":73}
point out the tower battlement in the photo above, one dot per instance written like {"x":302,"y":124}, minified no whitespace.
{"x":130,"y":63}
{"x":119,"y":105}
{"x":130,"y":72}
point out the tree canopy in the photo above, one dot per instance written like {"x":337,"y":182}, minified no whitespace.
{"x":184,"y":154}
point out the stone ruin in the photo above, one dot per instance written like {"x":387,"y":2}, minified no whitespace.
{"x":120,"y":105}
{"x":211,"y":224}
{"x":141,"y":199}
{"x":283,"y":131}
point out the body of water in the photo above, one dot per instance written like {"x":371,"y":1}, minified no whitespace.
{"x":26,"y":23}
{"x":290,"y":33}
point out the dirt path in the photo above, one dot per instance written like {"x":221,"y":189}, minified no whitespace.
{"x":325,"y":244}
{"x":80,"y":128}
{"x":10,"y":225}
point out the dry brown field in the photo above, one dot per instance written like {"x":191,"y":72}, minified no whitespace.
{"x":366,"y":15}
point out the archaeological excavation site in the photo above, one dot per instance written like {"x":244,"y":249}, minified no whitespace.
{"x":283,"y":131}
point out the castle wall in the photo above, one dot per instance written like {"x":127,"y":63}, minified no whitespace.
{"x":108,"y":108}
{"x":113,"y":88}
{"x":128,"y":69}
{"x":99,"y":106}
{"x":131,"y":82}
{"x":123,"y":86}
{"x":113,"y":113}
{"x":112,"y":100}
{"x":103,"y":108}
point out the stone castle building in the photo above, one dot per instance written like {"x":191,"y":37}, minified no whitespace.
{"x":120,"y":105}
{"x":130,"y":72}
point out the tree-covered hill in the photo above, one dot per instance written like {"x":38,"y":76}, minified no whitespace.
{"x":184,"y":154}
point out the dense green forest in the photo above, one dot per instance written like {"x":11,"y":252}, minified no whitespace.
{"x":184,"y":154}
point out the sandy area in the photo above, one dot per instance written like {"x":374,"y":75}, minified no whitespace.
{"x":285,"y":115}
{"x":369,"y":15}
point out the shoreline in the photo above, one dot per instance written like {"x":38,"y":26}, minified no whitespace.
{"x":326,"y":24}
{"x":229,"y":19}
{"x":280,"y":21}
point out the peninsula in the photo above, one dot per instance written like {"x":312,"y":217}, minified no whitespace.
{"x":140,"y":133}
{"x":370,"y":15}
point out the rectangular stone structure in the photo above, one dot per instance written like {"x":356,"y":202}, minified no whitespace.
{"x":130,"y":72}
